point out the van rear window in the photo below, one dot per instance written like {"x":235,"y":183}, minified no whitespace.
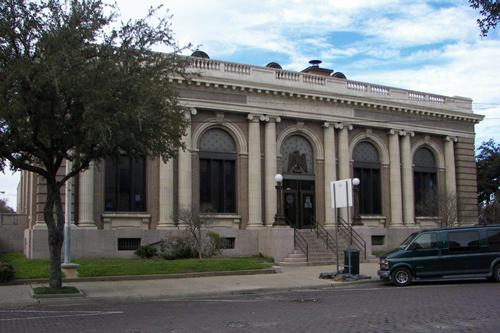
{"x":463,"y":241}
{"x":493,"y":237}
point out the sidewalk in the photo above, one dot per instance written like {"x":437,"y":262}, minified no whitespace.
{"x":289,"y":278}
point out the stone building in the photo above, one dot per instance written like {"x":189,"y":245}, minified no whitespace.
{"x":412,"y":151}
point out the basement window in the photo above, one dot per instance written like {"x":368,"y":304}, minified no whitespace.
{"x":227,"y":243}
{"x":128,"y":244}
{"x":378,"y":240}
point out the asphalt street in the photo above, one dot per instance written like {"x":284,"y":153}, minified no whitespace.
{"x":372,"y":307}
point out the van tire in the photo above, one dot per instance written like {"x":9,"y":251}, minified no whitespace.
{"x":401,"y":277}
{"x":496,"y":273}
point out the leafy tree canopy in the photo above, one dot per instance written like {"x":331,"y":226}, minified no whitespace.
{"x":4,"y":207}
{"x":75,"y":85}
{"x":488,"y":171}
{"x":489,"y":11}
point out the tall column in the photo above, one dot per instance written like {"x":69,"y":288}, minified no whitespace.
{"x":344,"y":159}
{"x":166,"y":196}
{"x":185,"y":172}
{"x":407,"y":176}
{"x":330,"y":171}
{"x":270,"y":170}
{"x":254,"y":173}
{"x":86,"y":199}
{"x":451,"y":182}
{"x":395,"y":179}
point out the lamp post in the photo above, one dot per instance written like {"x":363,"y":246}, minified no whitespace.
{"x":356,"y":219}
{"x":354,"y":182}
{"x":279,"y":218}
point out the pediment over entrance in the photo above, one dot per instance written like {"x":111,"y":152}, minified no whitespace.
{"x":297,"y":156}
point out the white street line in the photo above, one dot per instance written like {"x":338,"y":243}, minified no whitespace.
{"x":64,"y":316}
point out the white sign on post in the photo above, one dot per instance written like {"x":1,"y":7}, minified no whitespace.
{"x":341,"y":193}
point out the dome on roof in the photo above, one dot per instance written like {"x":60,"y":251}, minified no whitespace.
{"x":339,"y":75}
{"x":200,"y":54}
{"x":274,"y":65}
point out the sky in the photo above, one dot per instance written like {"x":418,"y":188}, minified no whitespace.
{"x":431,"y":46}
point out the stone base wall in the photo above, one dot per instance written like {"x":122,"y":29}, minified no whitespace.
{"x":392,"y":237}
{"x":95,"y":243}
{"x":12,"y":228}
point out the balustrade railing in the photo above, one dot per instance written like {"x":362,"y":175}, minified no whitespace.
{"x":359,"y":86}
{"x":205,"y":64}
{"x":237,"y":68}
{"x":310,"y":79}
{"x":287,"y":76}
{"x":314,"y":79}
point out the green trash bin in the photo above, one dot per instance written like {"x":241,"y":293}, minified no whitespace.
{"x":354,"y":260}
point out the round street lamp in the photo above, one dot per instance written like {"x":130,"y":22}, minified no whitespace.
{"x":279,"y":218}
{"x":356,"y":220}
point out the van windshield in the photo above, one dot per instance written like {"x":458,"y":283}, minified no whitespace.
{"x":408,"y":240}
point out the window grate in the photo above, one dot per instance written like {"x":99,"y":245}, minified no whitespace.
{"x":227,"y":242}
{"x":378,"y":240}
{"x":128,"y":244}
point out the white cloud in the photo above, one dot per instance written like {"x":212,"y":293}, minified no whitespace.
{"x":423,"y":26}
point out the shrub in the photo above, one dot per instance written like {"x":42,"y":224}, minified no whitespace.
{"x":7,"y":272}
{"x":179,"y":248}
{"x":146,"y":251}
{"x":214,"y":245}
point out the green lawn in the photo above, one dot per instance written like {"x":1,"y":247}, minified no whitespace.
{"x":29,"y":269}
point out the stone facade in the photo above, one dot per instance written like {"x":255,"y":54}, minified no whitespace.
{"x":261,"y":108}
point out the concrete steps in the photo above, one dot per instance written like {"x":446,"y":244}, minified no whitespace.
{"x":319,"y":254}
{"x":296,"y":258}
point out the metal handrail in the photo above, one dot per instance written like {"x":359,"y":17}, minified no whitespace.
{"x":298,"y":237}
{"x":328,"y":239}
{"x":357,"y":240}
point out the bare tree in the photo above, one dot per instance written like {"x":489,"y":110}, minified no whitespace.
{"x":447,"y":206}
{"x":191,"y":220}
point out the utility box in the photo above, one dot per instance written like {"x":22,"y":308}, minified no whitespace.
{"x":354,"y":261}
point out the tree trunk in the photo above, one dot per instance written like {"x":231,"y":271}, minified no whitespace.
{"x":55,"y":230}
{"x":200,"y":244}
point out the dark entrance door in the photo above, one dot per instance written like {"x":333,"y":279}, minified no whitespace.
{"x":299,"y":202}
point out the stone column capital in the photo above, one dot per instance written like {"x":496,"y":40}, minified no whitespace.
{"x":194,"y":111}
{"x":393,"y":131}
{"x":326,"y":124}
{"x":253,"y":118}
{"x":404,"y":133}
{"x":344,"y":125}
{"x":450,"y":138}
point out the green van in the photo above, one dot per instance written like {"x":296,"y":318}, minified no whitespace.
{"x":452,"y":253}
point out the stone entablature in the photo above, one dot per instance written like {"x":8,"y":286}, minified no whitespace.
{"x":268,"y":81}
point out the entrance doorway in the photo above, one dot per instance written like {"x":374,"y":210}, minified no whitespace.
{"x":299,"y":203}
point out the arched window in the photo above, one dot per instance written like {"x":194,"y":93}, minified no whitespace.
{"x":217,"y":172}
{"x":367,"y":169}
{"x":125,"y":185}
{"x":425,"y":182}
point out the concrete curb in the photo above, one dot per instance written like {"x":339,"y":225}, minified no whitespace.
{"x":150,"y":277}
{"x":79,"y":294}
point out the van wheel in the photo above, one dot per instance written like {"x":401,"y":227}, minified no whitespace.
{"x":401,"y":277}
{"x":496,"y":272}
